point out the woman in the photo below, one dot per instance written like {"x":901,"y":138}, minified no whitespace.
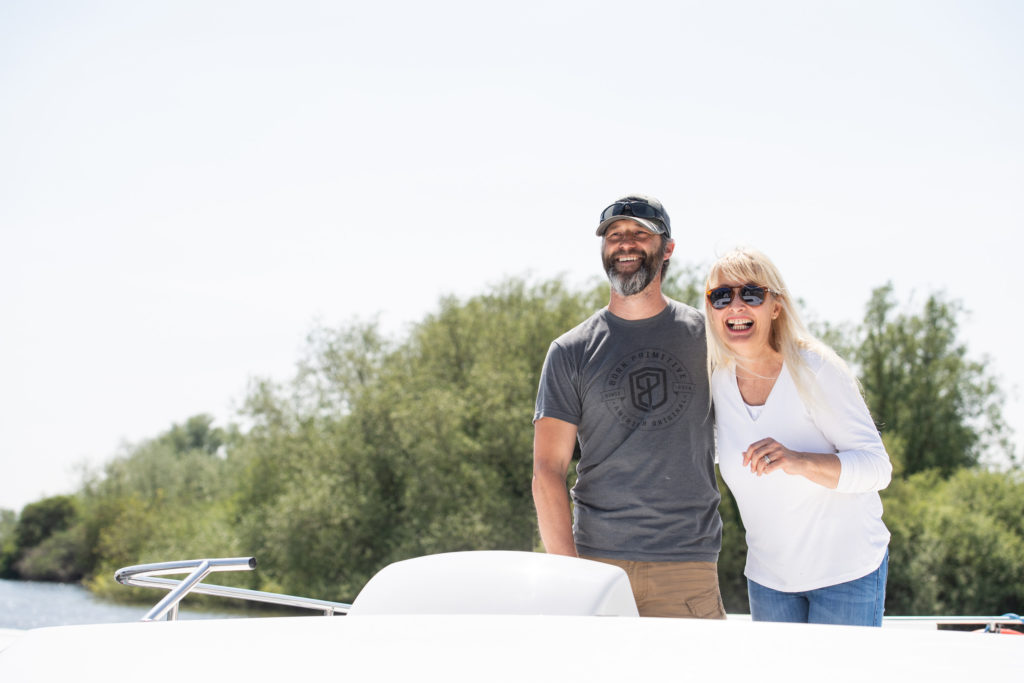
{"x":799,"y":451}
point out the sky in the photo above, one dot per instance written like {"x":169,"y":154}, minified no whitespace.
{"x":188,"y":188}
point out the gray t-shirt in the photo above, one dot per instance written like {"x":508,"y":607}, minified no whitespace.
{"x":637,"y":390}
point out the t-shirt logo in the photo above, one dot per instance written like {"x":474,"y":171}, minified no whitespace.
{"x":647,"y":390}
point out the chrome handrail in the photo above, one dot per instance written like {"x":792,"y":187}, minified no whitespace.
{"x":143,"y":575}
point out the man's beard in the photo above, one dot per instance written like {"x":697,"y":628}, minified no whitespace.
{"x":636,"y":282}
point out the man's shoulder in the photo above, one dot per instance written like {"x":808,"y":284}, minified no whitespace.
{"x":601,"y":322}
{"x":687,"y":315}
{"x":585,"y":330}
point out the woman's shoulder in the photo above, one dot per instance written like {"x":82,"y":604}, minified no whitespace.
{"x":825,"y":365}
{"x":722,"y":378}
{"x":812,"y":357}
{"x":724,"y":371}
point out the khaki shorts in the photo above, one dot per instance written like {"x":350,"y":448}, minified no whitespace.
{"x":673,"y":589}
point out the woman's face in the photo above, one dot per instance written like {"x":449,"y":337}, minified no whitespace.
{"x":744,"y":328}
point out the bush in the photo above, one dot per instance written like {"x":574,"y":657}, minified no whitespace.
{"x":58,"y":558}
{"x":957,"y":545}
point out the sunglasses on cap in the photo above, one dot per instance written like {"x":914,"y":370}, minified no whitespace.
{"x":637,"y":208}
{"x":752,"y":295}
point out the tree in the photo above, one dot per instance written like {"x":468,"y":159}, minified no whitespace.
{"x":686,"y":284}
{"x":923,"y":389}
{"x":387,"y":451}
{"x":161,"y":499}
{"x":197,"y":434}
{"x":43,"y":546}
{"x":8,"y":544}
{"x":957,"y":544}
{"x":733,"y":558}
{"x":40,"y":520}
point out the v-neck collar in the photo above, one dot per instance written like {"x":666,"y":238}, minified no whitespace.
{"x":755,"y":412}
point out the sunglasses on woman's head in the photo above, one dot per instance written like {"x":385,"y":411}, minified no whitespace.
{"x":752,"y":295}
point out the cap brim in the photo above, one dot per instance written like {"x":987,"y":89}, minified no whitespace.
{"x":647,"y":225}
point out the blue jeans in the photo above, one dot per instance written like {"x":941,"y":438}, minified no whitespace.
{"x":857,"y":603}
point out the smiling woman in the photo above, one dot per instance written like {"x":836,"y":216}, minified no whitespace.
{"x":799,"y":451}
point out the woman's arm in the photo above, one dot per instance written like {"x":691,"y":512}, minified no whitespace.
{"x":845,"y":421}
{"x":859,"y":463}
{"x":768,"y":455}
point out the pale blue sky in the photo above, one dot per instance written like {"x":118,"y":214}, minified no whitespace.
{"x":186,"y":187}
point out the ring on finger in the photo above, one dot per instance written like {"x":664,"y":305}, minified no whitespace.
{"x":767,"y":460}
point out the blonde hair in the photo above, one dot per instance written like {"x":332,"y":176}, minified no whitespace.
{"x":789,"y":336}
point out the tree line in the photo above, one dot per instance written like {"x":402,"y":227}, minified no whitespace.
{"x":380,"y":449}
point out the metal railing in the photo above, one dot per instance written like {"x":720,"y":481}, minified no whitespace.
{"x":145,"y":576}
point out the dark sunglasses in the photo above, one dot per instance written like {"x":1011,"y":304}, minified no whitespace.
{"x":636,"y":209}
{"x":752,"y":295}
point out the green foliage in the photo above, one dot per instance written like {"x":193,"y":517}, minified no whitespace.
{"x":733,"y":558}
{"x":42,"y":519}
{"x":197,"y":434}
{"x":42,"y":543}
{"x":8,"y":543}
{"x":921,"y":386}
{"x":382,"y":453}
{"x":686,"y":284}
{"x":957,"y":545}
{"x":383,"y":449}
{"x":162,"y":499}
{"x":56,"y":558}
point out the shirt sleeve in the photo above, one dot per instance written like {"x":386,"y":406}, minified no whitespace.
{"x":844,"y":419}
{"x":558,"y":395}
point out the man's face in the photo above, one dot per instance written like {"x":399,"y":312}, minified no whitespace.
{"x":632,"y":256}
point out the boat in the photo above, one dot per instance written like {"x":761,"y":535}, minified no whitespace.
{"x":484,"y":615}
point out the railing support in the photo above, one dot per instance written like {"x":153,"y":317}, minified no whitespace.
{"x":144,"y":575}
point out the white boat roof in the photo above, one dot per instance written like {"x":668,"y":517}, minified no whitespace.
{"x":500,"y":648}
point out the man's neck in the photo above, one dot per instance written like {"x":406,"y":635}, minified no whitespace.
{"x":646,"y":304}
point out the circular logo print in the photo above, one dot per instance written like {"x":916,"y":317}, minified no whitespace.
{"x":648,"y":390}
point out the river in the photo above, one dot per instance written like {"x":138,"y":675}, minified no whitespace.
{"x":32,"y":604}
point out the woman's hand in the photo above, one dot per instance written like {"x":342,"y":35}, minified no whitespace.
{"x":768,"y":455}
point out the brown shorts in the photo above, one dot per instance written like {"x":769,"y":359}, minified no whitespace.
{"x":673,"y":589}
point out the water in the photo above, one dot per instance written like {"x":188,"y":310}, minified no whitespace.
{"x":32,"y":604}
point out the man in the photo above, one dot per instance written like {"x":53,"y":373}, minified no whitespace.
{"x":630,"y":383}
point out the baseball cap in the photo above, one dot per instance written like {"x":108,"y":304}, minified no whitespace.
{"x":644,"y":210}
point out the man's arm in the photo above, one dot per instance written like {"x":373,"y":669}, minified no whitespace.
{"x":553,"y":443}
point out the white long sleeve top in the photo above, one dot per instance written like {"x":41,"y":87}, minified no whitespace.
{"x":801,"y":535}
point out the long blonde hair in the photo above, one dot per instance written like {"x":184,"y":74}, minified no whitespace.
{"x":789,"y":336}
